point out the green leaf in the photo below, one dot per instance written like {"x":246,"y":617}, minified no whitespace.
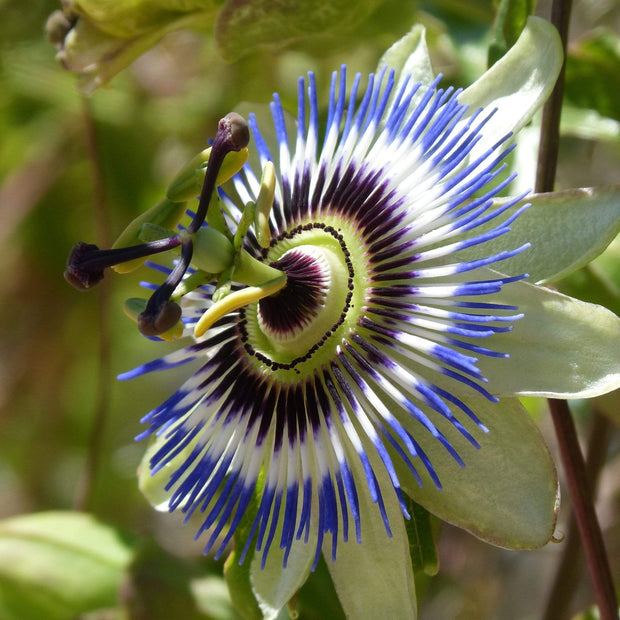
{"x":107,"y":37}
{"x":566,"y":231}
{"x":509,"y":22}
{"x":374,"y":579}
{"x":518,"y":84}
{"x":592,"y":70}
{"x":59,"y":565}
{"x":128,"y":18}
{"x":421,"y":539}
{"x":562,"y":348}
{"x":507,"y":493}
{"x":245,"y":25}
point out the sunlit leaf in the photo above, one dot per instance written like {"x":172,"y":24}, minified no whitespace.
{"x":245,"y":25}
{"x":57,"y":565}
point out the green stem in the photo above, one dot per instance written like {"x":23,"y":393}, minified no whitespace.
{"x":572,"y":459}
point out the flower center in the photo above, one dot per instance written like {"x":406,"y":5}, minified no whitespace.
{"x":291,"y":326}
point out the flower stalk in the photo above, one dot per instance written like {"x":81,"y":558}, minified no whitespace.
{"x":572,"y":458}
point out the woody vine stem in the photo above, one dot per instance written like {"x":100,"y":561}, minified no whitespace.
{"x":572,"y":458}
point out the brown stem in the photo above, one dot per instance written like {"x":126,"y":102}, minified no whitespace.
{"x":84,"y":494}
{"x":569,"y":570}
{"x":549,"y":145}
{"x":572,"y":459}
{"x":583,"y":507}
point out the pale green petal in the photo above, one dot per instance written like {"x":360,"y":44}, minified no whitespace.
{"x":409,"y":56}
{"x":153,"y":486}
{"x":518,"y":84}
{"x":274,"y":586}
{"x":507,"y":493}
{"x":566,"y":231}
{"x":562,"y":348}
{"x":374,"y":579}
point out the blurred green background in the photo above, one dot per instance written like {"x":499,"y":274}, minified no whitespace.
{"x":63,"y":415}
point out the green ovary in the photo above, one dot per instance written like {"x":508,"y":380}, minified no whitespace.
{"x":337,"y":289}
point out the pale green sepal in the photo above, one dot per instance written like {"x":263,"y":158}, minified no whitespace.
{"x":409,"y":56}
{"x":562,"y":348}
{"x":566,"y":230}
{"x":274,"y":586}
{"x":152,"y":486}
{"x":374,"y":579}
{"x":507,"y":494}
{"x":518,"y":83}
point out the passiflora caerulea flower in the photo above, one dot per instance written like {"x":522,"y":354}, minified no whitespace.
{"x":361,"y":324}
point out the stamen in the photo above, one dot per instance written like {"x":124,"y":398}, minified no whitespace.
{"x":161,"y":314}
{"x":86,"y":261}
{"x":264,"y":204}
{"x":236,"y":300}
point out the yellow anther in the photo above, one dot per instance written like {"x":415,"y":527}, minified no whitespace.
{"x":238,"y":299}
{"x":264,"y":204}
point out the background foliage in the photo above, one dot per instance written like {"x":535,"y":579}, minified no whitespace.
{"x":59,"y":352}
